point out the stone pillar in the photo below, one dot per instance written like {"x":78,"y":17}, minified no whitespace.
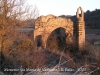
{"x":80,"y":29}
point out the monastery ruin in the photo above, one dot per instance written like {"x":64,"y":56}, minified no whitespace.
{"x":44,"y":25}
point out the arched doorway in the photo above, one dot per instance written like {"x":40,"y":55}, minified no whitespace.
{"x":57,"y":39}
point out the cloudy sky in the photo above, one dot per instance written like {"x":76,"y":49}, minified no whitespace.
{"x":64,"y":7}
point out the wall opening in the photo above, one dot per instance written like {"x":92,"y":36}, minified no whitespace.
{"x":57,"y":39}
{"x":38,"y":40}
{"x":80,"y":12}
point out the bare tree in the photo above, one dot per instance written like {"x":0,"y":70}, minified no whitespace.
{"x":14,"y":13}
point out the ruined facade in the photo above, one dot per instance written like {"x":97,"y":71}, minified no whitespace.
{"x":44,"y":25}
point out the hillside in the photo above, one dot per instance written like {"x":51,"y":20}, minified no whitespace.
{"x":92,"y":19}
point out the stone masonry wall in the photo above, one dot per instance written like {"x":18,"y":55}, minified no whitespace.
{"x":44,"y":25}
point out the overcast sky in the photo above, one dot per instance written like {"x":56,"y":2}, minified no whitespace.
{"x":64,"y":7}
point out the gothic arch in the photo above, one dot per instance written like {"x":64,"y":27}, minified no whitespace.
{"x":56,"y":37}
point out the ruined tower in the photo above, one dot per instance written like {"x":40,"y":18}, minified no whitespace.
{"x":80,"y":28}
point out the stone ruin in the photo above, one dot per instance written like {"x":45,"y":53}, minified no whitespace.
{"x":44,"y":25}
{"x":80,"y":29}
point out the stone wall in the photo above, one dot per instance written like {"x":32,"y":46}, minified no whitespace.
{"x":80,"y":29}
{"x":44,"y":25}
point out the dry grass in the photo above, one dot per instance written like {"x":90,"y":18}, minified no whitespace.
{"x":20,"y":52}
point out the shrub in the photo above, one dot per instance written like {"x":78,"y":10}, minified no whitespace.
{"x":52,"y":43}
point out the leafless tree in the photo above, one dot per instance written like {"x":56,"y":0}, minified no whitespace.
{"x":14,"y":13}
